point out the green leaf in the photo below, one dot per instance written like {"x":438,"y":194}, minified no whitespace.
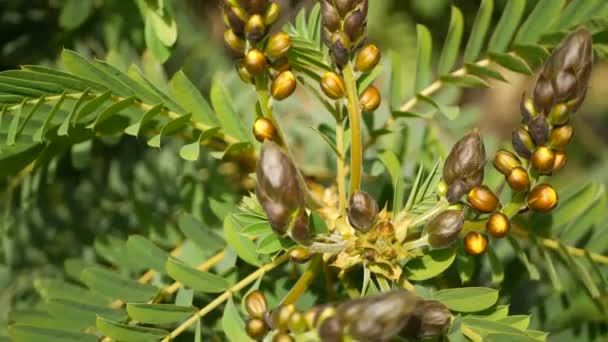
{"x":198,"y":280}
{"x":465,"y":81}
{"x":451,"y":46}
{"x":50,"y":288}
{"x":112,"y":110}
{"x":229,"y":120}
{"x":520,"y":322}
{"x":466,"y":266}
{"x":508,"y":23}
{"x":549,"y":266}
{"x":41,"y":132}
{"x":498,"y":272}
{"x":534,"y":54}
{"x":467,"y":299}
{"x":113,"y":285}
{"x":159,"y":313}
{"x":269,"y":244}
{"x":574,"y":13}
{"x":11,"y":134}
{"x":479,"y":31}
{"x":523,"y":257}
{"x":511,"y":62}
{"x":122,"y":332}
{"x":430,"y":265}
{"x":146,"y":118}
{"x":79,"y":65}
{"x":393,"y":167}
{"x":25,"y":333}
{"x":423,"y":60}
{"x":146,"y":253}
{"x":539,"y":21}
{"x":75,"y":12}
{"x":367,"y":79}
{"x":485,"y":327}
{"x":82,"y":314}
{"x":159,"y":50}
{"x":329,"y":142}
{"x":195,"y":231}
{"x":67,"y":121}
{"x":243,"y":247}
{"x":189,"y":97}
{"x":232,"y":323}
{"x":29,"y":115}
{"x":169,"y":128}
{"x":451,"y":112}
{"x":41,"y":319}
{"x":164,"y":25}
{"x":45,"y":87}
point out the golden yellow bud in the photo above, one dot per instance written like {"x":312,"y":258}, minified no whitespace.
{"x":272,"y":13}
{"x":263,"y":129}
{"x":255,"y":304}
{"x":300,"y":255}
{"x":297,"y":323}
{"x":561,"y":136}
{"x":560,"y":114}
{"x":280,"y":65}
{"x":256,"y":328}
{"x":367,"y":58}
{"x":505,"y":161}
{"x":498,"y":225}
{"x":560,"y":160}
{"x":233,"y":42}
{"x":278,"y":45}
{"x":333,"y":85}
{"x":255,"y":28}
{"x":243,"y":73}
{"x":475,"y":243}
{"x":370,"y":99}
{"x":543,"y":198}
{"x":518,"y":179}
{"x":282,"y":337}
{"x":255,"y":61}
{"x":543,"y":160}
{"x":281,"y":315}
{"x":283,"y":86}
{"x":482,"y":199}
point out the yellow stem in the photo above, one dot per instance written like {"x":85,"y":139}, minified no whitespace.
{"x":341,"y":174}
{"x":304,"y":281}
{"x":354,"y":118}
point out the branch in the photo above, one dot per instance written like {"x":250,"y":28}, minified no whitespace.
{"x":354,"y":119}
{"x":304,"y":281}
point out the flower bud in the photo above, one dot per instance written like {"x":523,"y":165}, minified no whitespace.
{"x":456,"y":190}
{"x":430,"y":319}
{"x":333,"y":85}
{"x":543,"y":198}
{"x":370,"y":99}
{"x":281,"y":315}
{"x":560,"y":114}
{"x":444,"y":229}
{"x":297,"y":323}
{"x":543,"y":160}
{"x":442,"y":188}
{"x":518,"y":179}
{"x":367,"y":58}
{"x":505,"y":161}
{"x":244,"y":74}
{"x":300,"y":255}
{"x":362,"y":211}
{"x":498,"y":225}
{"x":283,"y":337}
{"x":255,"y":304}
{"x":539,"y":130}
{"x":522,"y":143}
{"x":234,"y":44}
{"x":272,"y":14}
{"x":235,"y":19}
{"x":283,"y":86}
{"x":299,"y":231}
{"x":340,"y":49}
{"x":278,"y":45}
{"x":560,"y":161}
{"x":466,"y":159}
{"x":482,"y":199}
{"x":280,"y":65}
{"x":263,"y":129}
{"x":256,"y":328}
{"x":475,"y":243}
{"x":561,"y":136}
{"x":255,"y":28}
{"x":354,"y":25}
{"x":331,"y":330}
{"x":344,"y":6}
{"x":255,"y":61}
{"x":256,"y":6}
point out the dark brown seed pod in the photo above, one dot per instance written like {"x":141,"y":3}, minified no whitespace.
{"x":367,"y":58}
{"x":518,"y":179}
{"x":482,"y":199}
{"x":561,"y":136}
{"x":456,"y":190}
{"x":522,"y":143}
{"x":539,"y":130}
{"x":283,"y":337}
{"x":505,"y":161}
{"x":331,"y":330}
{"x":278,"y":45}
{"x":333,"y":85}
{"x":300,"y":232}
{"x":362,"y":211}
{"x":263,"y":129}
{"x":255,"y":304}
{"x":543,"y":198}
{"x":560,"y":161}
{"x":370,"y":99}
{"x":255,"y":28}
{"x":272,"y":14}
{"x":283,"y":86}
{"x":244,"y":75}
{"x":255,"y":62}
{"x":543,"y":160}
{"x":430,"y":319}
{"x":475,"y":243}
{"x":300,"y":255}
{"x":443,"y":230}
{"x":498,"y":225}
{"x":466,"y":159}
{"x":256,"y":328}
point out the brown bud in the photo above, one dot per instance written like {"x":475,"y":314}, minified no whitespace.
{"x":518,"y":179}
{"x":522,"y":143}
{"x":498,"y":225}
{"x":370,"y":99}
{"x":256,"y":6}
{"x":543,"y":94}
{"x":255,"y":28}
{"x":299,"y":231}
{"x":272,"y":14}
{"x":333,"y":85}
{"x":283,"y":86}
{"x":340,"y":48}
{"x":263,"y":129}
{"x":543,"y":160}
{"x":235,"y":18}
{"x":243,"y":73}
{"x":466,"y":159}
{"x":256,"y":328}
{"x":234,"y":44}
{"x":444,"y":229}
{"x":561,"y":136}
{"x":300,"y":255}
{"x":330,"y":16}
{"x":456,"y":190}
{"x":560,"y":161}
{"x":475,"y":243}
{"x":283,"y":337}
{"x":539,"y":130}
{"x":280,"y":65}
{"x":354,"y":25}
{"x":331,"y":330}
{"x":255,"y":304}
{"x":543,"y":198}
{"x":362,"y":211}
{"x":505,"y":161}
{"x":255,"y":61}
{"x":482,"y":199}
{"x":430,"y":319}
{"x":278,"y":45}
{"x":344,"y":6}
{"x":367,"y":58}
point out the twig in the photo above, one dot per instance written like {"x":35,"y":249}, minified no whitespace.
{"x":354,"y":119}
{"x":304,"y":281}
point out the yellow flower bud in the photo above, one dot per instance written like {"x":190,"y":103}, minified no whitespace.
{"x":243,"y":73}
{"x":283,"y":86}
{"x":543,"y":198}
{"x":475,"y":243}
{"x":255,"y":304}
{"x":333,"y":85}
{"x":560,"y":160}
{"x":300,"y":255}
{"x":263,"y":129}
{"x":367,"y":58}
{"x":234,"y":43}
{"x":256,"y":328}
{"x":278,"y":45}
{"x":370,"y":99}
{"x":518,"y":179}
{"x":255,"y":61}
{"x":255,"y":28}
{"x":543,"y":160}
{"x":272,"y":14}
{"x":498,"y":225}
{"x":482,"y":199}
{"x":505,"y":161}
{"x":561,"y":136}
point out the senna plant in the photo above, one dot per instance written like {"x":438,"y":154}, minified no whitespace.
{"x":295,"y":255}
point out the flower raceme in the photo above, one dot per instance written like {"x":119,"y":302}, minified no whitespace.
{"x":463,"y":168}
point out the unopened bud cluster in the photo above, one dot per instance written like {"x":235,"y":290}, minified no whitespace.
{"x":247,"y":24}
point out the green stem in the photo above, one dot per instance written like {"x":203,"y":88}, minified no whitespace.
{"x":341,"y":175}
{"x":304,"y":281}
{"x":354,"y":117}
